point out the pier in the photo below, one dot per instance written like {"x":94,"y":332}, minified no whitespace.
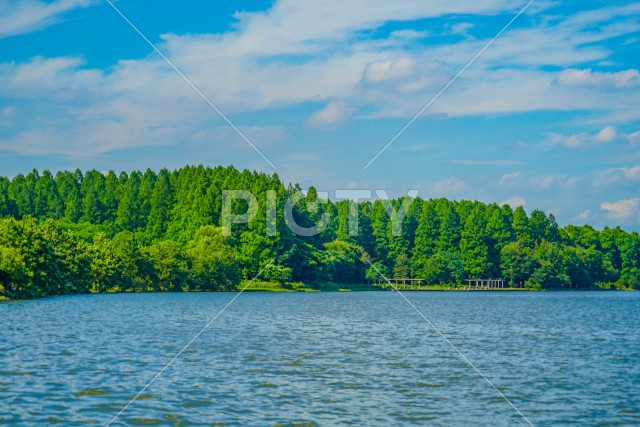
{"x":403,"y":283}
{"x":485,"y":283}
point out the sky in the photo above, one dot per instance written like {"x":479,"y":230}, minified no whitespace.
{"x":547,"y":117}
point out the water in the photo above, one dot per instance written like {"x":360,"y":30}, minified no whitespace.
{"x":328,"y":359}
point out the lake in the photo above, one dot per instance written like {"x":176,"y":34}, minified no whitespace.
{"x":322,"y":359}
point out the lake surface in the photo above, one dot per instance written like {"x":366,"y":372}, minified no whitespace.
{"x":323,"y":359}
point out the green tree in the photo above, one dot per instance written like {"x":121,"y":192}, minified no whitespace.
{"x":7,"y":205}
{"x":109,"y":199}
{"x":160,"y":205}
{"x":449,"y":234}
{"x":106,"y":265}
{"x":13,"y":271}
{"x":214,"y":265}
{"x":69,"y":190}
{"x":171,"y":265}
{"x":402,"y":267}
{"x":380,"y":226}
{"x":21,"y":192}
{"x":518,"y":262}
{"x":473,"y":245}
{"x":128,"y":213}
{"x":92,"y":189}
{"x":47,"y":200}
{"x":427,"y":234}
{"x":551,"y":271}
{"x":444,"y":268}
{"x":138,"y":271}
{"x":343,"y":261}
{"x":277,"y":273}
{"x":630,"y":257}
{"x":377,"y":273}
{"x":72,"y":264}
{"x":521,"y":225}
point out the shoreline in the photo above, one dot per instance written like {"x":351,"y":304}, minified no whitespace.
{"x":305,"y":289}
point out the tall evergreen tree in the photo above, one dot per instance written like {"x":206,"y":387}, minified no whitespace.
{"x":449,"y":235}
{"x":92,"y":189}
{"x":6,"y":203}
{"x":21,"y":191}
{"x":474,"y":247}
{"x":521,"y":225}
{"x":69,"y":190}
{"x":109,"y":198}
{"x":47,"y":200}
{"x":128,"y":214}
{"x":161,"y":205}
{"x":426,"y":238}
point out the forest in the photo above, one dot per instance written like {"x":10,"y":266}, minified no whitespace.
{"x":94,"y":232}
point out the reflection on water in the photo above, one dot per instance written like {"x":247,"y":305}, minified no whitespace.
{"x":329,"y":359}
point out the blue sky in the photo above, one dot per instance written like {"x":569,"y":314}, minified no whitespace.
{"x":547,"y":117}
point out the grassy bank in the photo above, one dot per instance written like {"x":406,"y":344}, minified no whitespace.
{"x":275,"y":287}
{"x":302,"y":287}
{"x":357,"y":287}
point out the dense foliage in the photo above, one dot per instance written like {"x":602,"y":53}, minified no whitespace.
{"x":148,"y":231}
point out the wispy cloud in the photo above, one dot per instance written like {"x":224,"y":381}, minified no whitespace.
{"x":625,"y":210}
{"x":585,"y":215}
{"x":537,"y":182}
{"x":447,"y":187}
{"x":488,"y":162}
{"x":318,"y":56}
{"x":617,"y":176}
{"x":588,"y":77}
{"x":334,"y":112}
{"x":26,"y":16}
{"x":608,"y":134}
{"x":509,"y":179}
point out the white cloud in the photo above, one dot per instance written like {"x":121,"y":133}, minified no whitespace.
{"x":447,"y":187}
{"x":510,"y":178}
{"x":575,"y":140}
{"x":584,"y":215}
{"x":410,"y":34}
{"x":623,"y":210}
{"x":25,"y":16}
{"x":631,"y":173}
{"x":616,"y":176}
{"x":461,"y":28}
{"x":293,"y":25}
{"x":59,"y":78}
{"x":588,"y":77}
{"x":311,"y":54}
{"x":389,"y":69}
{"x":543,"y":182}
{"x":515,"y":202}
{"x":608,"y":134}
{"x":334,"y":112}
{"x":399,"y":83}
{"x":88,"y":113}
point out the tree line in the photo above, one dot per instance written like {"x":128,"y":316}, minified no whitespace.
{"x":76,"y":232}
